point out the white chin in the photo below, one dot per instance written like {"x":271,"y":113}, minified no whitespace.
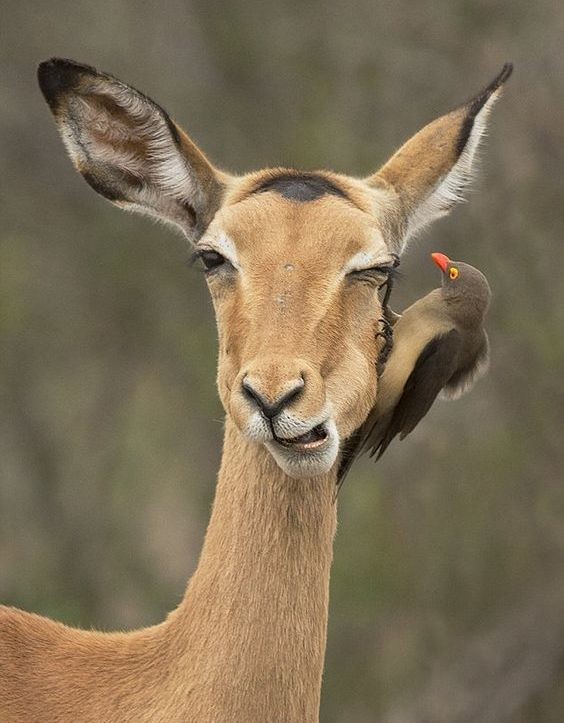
{"x":301,"y":464}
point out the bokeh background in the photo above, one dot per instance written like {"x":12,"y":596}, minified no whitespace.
{"x":448,"y":584}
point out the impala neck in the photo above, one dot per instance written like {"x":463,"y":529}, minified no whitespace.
{"x":255,"y":611}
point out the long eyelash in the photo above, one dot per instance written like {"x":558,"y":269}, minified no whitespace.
{"x":396,"y":274}
{"x":393,"y":274}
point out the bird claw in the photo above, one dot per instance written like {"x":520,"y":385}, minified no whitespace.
{"x":387,"y":334}
{"x":387,"y":321}
{"x":391,"y":316}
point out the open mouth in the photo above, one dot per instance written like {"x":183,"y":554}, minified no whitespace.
{"x":313,"y":439}
{"x":306,"y":455}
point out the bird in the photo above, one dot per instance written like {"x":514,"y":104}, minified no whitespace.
{"x":440,"y":347}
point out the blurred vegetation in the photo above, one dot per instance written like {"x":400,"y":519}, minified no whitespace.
{"x":110,"y":428}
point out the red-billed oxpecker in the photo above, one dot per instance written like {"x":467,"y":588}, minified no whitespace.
{"x":439,"y":347}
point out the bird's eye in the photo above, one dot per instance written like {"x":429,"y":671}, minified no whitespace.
{"x":453,"y":273}
{"x":211,"y":260}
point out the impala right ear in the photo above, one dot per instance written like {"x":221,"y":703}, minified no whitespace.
{"x":429,"y":174}
{"x":128,"y":149}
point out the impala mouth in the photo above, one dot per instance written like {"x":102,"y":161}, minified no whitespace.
{"x":311,"y":440}
{"x":306,"y":455}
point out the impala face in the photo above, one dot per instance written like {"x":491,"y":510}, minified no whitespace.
{"x":293,"y":260}
{"x":295,"y":288}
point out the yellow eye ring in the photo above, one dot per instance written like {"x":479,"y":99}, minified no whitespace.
{"x":453,"y":273}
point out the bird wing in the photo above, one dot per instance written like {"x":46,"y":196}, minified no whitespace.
{"x":470,"y":371}
{"x":434,"y":368}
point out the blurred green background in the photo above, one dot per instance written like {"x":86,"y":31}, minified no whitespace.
{"x":448,"y":584}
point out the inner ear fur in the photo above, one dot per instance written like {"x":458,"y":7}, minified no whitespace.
{"x":428,"y":175}
{"x":129,"y":149}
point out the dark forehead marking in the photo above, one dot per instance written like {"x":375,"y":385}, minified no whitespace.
{"x":301,"y":187}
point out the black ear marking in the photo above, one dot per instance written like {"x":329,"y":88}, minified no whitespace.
{"x":105,"y":187}
{"x":476,"y":104}
{"x":59,"y":75}
{"x":101,"y":188}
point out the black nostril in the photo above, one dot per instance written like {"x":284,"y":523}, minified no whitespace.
{"x":271,"y":409}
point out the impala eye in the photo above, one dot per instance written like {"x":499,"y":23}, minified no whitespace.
{"x":382,"y":275}
{"x":378,"y":275}
{"x":210,"y":259}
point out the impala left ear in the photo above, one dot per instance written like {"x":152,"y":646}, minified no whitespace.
{"x":429,"y":173}
{"x":129,"y":149}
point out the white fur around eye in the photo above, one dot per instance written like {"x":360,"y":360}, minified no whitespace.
{"x":365,"y":260}
{"x":225,"y":245}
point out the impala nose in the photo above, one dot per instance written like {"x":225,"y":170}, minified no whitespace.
{"x":271,"y":407}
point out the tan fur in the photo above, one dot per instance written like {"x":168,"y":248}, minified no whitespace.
{"x":247,"y":643}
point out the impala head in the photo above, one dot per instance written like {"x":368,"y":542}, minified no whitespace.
{"x":294,"y":261}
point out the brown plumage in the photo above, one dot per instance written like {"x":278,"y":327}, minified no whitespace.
{"x":440,"y":347}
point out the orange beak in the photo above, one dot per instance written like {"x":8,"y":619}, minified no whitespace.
{"x":442,"y":261}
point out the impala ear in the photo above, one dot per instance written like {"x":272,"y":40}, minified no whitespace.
{"x":429,"y":173}
{"x":128,"y":149}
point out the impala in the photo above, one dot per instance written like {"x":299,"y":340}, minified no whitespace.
{"x":294,"y":262}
